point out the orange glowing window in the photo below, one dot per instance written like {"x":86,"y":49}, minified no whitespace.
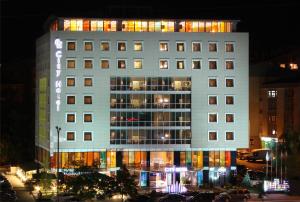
{"x":214,"y":27}
{"x":67,"y":25}
{"x":86,"y":25}
{"x":182,"y":26}
{"x":188,"y":26}
{"x":201,"y":27}
{"x":54,"y":26}
{"x":208,"y":27}
{"x":228,"y":27}
{"x":107,"y":26}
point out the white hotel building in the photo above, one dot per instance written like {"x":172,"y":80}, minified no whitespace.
{"x":150,"y":94}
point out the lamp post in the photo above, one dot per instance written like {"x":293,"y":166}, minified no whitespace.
{"x":267,"y":159}
{"x":57,"y":166}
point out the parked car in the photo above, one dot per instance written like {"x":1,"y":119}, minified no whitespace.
{"x":223,"y":197}
{"x":258,"y":155}
{"x":173,"y":198}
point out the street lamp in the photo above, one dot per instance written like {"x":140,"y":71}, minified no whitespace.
{"x":58,"y":129}
{"x":267,"y":159}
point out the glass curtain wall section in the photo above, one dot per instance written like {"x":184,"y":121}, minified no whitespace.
{"x":150,"y":110}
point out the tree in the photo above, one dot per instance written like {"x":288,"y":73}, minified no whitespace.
{"x":246,"y":181}
{"x":125,"y":183}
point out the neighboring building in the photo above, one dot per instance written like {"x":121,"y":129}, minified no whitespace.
{"x":274,"y":97}
{"x":150,"y":94}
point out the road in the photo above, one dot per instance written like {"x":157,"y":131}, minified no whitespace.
{"x":276,"y":198}
{"x":22,"y":193}
{"x":251,"y":165}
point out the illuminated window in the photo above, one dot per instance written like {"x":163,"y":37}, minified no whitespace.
{"x":229,"y":47}
{"x":67,"y":25}
{"x":144,"y":26}
{"x":196,"y":46}
{"x":104,"y":46}
{"x":229,"y":136}
{"x":212,"y":135}
{"x":70,"y":136}
{"x":88,"y":63}
{"x":229,"y":64}
{"x":188,"y":26}
{"x":87,"y":99}
{"x":212,"y":64}
{"x":180,"y":64}
{"x":294,"y":66}
{"x":212,"y":82}
{"x":70,"y":81}
{"x":212,"y":100}
{"x":138,"y":46}
{"x":76,"y":25}
{"x":182,"y":26}
{"x":157,"y":26}
{"x":163,"y":64}
{"x":208,"y":27}
{"x":201,"y":27}
{"x":96,"y":25}
{"x":214,"y":27}
{"x":121,"y":64}
{"x":87,"y":136}
{"x":180,"y":46}
{"x":104,"y":63}
{"x":151,"y":26}
{"x":229,"y":82}
{"x":196,"y":64}
{"x":88,"y":81}
{"x":229,"y":100}
{"x":195,"y":26}
{"x":110,"y":26}
{"x":138,"y":26}
{"x":163,"y":46}
{"x":138,"y":63}
{"x":70,"y":99}
{"x":121,"y":46}
{"x":86,"y":25}
{"x":71,"y":45}
{"x":212,"y":47}
{"x":212,"y":118}
{"x":272,"y":93}
{"x":88,"y":46}
{"x":87,"y":118}
{"x":229,"y":118}
{"x":71,"y":117}
{"x":71,"y":63}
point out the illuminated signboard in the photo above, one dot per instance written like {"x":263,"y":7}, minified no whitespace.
{"x":175,"y":169}
{"x":58,"y":84}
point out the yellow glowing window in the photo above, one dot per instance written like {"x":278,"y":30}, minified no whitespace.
{"x":113,"y":26}
{"x":73,"y":25}
{"x":138,"y":64}
{"x":138,"y":46}
{"x":138,"y":26}
{"x":221,"y":26}
{"x":93,"y":25}
{"x":201,"y":27}
{"x":164,"y":26}
{"x":195,"y":26}
{"x":79,"y":25}
{"x":67,"y":25}
{"x":130,"y":26}
{"x":157,"y":26}
{"x":151,"y":26}
{"x":107,"y":26}
{"x":214,"y":27}
{"x":208,"y":27}
{"x":144,"y":26}
{"x":188,"y":26}
{"x":171,"y":26}
{"x":182,"y":27}
{"x":100,"y":25}
{"x":124,"y":26}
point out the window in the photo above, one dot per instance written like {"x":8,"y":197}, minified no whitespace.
{"x":163,"y":46}
{"x":163,"y":64}
{"x":121,"y":64}
{"x":212,"y":100}
{"x":71,"y":117}
{"x":87,"y":118}
{"x":70,"y":99}
{"x":229,"y":136}
{"x":272,"y":93}
{"x":212,"y":135}
{"x":71,"y":45}
{"x":212,"y":64}
{"x":196,"y":46}
{"x":229,"y":100}
{"x":196,"y":64}
{"x":87,"y":136}
{"x":88,"y":64}
{"x":212,"y":82}
{"x":88,"y":46}
{"x":180,"y":46}
{"x":71,"y":63}
{"x":229,"y":118}
{"x":121,"y":46}
{"x":88,"y":99}
{"x":229,"y":64}
{"x":88,"y":81}
{"x":104,"y":46}
{"x":138,"y":46}
{"x":229,"y":47}
{"x":104,"y":63}
{"x":212,"y":118}
{"x":180,"y":64}
{"x":70,"y":136}
{"x":138,"y":63}
{"x":229,"y":82}
{"x":212,"y":47}
{"x":71,"y":81}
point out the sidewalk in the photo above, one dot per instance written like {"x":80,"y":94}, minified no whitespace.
{"x":275,"y":197}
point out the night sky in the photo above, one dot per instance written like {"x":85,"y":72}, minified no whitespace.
{"x":273,"y":25}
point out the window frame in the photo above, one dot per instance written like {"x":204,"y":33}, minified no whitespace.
{"x":70,"y":96}
{"x":87,"y":96}
{"x":66,"y":119}
{"x":233,"y":64}
{"x":194,"y":60}
{"x":119,"y":59}
{"x":196,"y":42}
{"x":109,"y":46}
{"x":230,"y":96}
{"x":167,"y":60}
{"x":233,"y":82}
{"x":86,"y":59}
{"x":119,"y":42}
{"x":212,"y":113}
{"x":87,"y":77}
{"x":216,"y":82}
{"x":217,"y":48}
{"x":233,"y":45}
{"x":136,"y":59}
{"x":213,"y":131}
{"x":142,"y":43}
{"x":212,"y":60}
{"x":184,"y":46}
{"x":84,"y":113}
{"x":230,"y":131}
{"x":180,"y":60}
{"x":216,"y":100}
{"x":70,"y":77}
{"x":67,"y":136}
{"x":166,"y":42}
{"x":88,"y":41}
{"x":103,"y":59}
{"x":233,"y":118}
{"x":67,"y":45}
{"x":70,"y":59}
{"x":83,"y":137}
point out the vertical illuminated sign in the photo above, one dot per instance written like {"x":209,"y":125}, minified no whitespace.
{"x":58,"y":84}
